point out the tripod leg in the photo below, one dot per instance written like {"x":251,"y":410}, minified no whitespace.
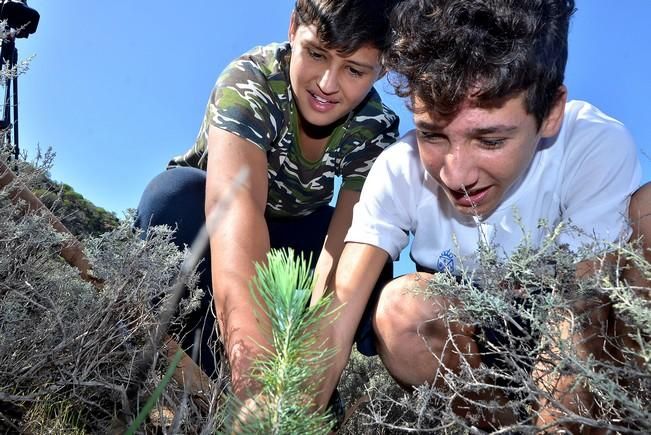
{"x":7,"y":58}
{"x":15,"y":103}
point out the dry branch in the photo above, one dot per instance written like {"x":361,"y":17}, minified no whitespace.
{"x":72,"y":253}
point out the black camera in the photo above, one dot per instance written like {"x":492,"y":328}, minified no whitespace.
{"x":19,"y":16}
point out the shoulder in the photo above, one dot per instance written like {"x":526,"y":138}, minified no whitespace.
{"x":372,"y":118}
{"x":269,"y":59}
{"x":585,"y":125}
{"x":400,"y":162}
{"x":582,"y":111}
{"x":591,"y":142}
{"x":600,"y":170}
{"x":255,"y":81}
{"x":265,"y":67}
{"x":373,"y":107}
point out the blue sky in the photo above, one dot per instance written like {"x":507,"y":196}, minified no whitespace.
{"x":118,"y":87}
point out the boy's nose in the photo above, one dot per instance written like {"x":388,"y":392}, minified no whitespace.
{"x":459,"y":170}
{"x":328,"y":82}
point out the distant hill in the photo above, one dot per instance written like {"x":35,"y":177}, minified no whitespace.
{"x":78,"y":214}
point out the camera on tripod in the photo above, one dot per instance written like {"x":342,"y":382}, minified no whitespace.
{"x":19,"y":16}
{"x":19,"y":21}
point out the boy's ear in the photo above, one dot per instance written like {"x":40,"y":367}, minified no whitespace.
{"x":292,"y":27}
{"x":552,"y":123}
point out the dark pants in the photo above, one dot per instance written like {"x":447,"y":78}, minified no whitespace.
{"x":176,"y":198}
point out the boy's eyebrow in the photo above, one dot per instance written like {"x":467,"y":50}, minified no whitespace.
{"x":480,"y":131}
{"x":425,"y":125}
{"x":502,"y":129}
{"x":361,"y":64}
{"x":315,"y":45}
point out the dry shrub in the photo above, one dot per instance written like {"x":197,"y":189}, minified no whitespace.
{"x":67,"y":347}
{"x":535,"y":287}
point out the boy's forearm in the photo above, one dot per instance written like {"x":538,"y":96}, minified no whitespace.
{"x":356,"y":275}
{"x":239,"y":240}
{"x":341,"y":343}
{"x":560,"y":393}
{"x":334,"y":243}
{"x":334,"y":334}
{"x":243,"y":326}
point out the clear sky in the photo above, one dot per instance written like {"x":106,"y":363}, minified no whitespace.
{"x":118,"y":87}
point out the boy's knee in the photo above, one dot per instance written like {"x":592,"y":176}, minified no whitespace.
{"x":414,"y":336}
{"x":406,"y":305}
{"x":173,"y":197}
{"x":405,"y":311}
{"x":400,"y":308}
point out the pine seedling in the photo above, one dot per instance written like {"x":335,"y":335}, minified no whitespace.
{"x":286,"y":374}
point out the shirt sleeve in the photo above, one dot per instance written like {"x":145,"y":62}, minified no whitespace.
{"x":382,"y":216}
{"x":602,"y":172}
{"x":374,"y":136}
{"x":243,"y":103}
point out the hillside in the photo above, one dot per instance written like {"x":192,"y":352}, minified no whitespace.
{"x":78,"y":214}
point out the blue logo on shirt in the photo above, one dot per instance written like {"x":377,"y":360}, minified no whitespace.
{"x":446,"y":261}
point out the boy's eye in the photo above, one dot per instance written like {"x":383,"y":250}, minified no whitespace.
{"x":491,"y":143}
{"x":430,"y":136}
{"x":314,"y":54}
{"x":355,"y":72}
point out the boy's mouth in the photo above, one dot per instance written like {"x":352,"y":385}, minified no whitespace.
{"x":319,"y":103}
{"x":469,"y":198}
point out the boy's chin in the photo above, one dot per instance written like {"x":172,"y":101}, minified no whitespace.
{"x":481,"y":211}
{"x":320,"y":125}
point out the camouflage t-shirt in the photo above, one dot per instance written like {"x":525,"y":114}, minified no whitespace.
{"x":253,"y":99}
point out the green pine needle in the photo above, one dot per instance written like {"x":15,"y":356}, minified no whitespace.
{"x":282,"y":289}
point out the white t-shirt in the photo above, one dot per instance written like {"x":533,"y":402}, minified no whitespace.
{"x":583,"y":177}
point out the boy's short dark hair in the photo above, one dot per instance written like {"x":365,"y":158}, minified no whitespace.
{"x":347,"y":25}
{"x":446,"y":51}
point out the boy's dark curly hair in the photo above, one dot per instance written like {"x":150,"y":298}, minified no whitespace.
{"x":446,"y":51}
{"x":347,"y":25}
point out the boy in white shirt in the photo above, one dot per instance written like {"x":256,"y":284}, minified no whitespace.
{"x":494,"y":139}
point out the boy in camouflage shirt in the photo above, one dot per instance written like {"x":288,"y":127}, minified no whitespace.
{"x":297,"y":114}
{"x":253,"y":100}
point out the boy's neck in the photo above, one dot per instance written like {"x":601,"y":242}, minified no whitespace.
{"x":317,"y":132}
{"x":313,"y":139}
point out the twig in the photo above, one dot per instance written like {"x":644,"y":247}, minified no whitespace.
{"x":180,"y":410}
{"x":13,"y":398}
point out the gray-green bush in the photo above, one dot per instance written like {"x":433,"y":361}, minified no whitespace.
{"x":64,"y":344}
{"x":537,"y":286}
{"x":67,"y":349}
